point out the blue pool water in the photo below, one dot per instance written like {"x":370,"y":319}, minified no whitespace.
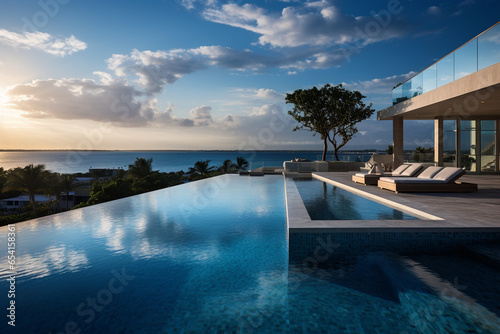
{"x":211,"y":257}
{"x":325,"y":201}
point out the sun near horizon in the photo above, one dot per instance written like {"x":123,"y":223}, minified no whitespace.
{"x":208,"y":75}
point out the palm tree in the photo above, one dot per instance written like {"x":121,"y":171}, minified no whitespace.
{"x":201,"y":167}
{"x":227,"y":166}
{"x":241,"y":163}
{"x":3,"y":178}
{"x":141,"y":168}
{"x":67,"y":184}
{"x":31,"y":179}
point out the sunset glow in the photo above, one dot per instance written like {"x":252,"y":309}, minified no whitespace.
{"x":207,"y":74}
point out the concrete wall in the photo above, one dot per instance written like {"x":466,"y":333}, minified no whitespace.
{"x":344,"y":166}
{"x":322,"y":166}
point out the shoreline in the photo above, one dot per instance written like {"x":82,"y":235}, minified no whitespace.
{"x":215,"y":150}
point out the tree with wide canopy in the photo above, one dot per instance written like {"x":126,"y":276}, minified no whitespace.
{"x":331,"y":111}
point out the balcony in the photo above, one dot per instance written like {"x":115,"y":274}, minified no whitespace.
{"x":477,"y":54}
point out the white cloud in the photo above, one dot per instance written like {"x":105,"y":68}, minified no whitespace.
{"x":201,"y":115}
{"x":190,"y":4}
{"x":259,"y":94}
{"x":156,"y":69}
{"x":433,"y":10}
{"x":152,"y":70}
{"x":72,"y":99}
{"x":268,"y":94}
{"x":106,"y":78}
{"x":461,"y":5}
{"x":116,"y":102}
{"x":43,"y":42}
{"x":167,"y":118}
{"x":319,"y":60}
{"x":263,"y":127}
{"x":378,"y":86}
{"x":313,"y":23}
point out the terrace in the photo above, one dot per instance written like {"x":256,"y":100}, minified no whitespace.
{"x":460,"y":93}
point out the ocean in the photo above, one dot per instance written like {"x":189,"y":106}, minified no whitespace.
{"x":164,"y":161}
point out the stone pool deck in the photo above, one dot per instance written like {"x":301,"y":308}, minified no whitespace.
{"x":444,"y":219}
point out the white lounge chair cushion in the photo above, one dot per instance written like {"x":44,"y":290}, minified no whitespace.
{"x":376,"y":169}
{"x":447,"y":174}
{"x":411,"y":170}
{"x":399,"y":170}
{"x":444,"y":176}
{"x":409,"y":180}
{"x":429,"y":172}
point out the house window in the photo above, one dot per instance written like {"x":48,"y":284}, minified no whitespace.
{"x":488,"y":146}
{"x":468,"y":145}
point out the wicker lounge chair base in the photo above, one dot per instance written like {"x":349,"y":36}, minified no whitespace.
{"x":367,"y":180}
{"x":454,"y":187}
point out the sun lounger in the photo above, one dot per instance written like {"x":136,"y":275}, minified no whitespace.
{"x":372,"y":179}
{"x":433,"y":179}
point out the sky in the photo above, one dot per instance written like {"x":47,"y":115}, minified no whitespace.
{"x":209,"y":74}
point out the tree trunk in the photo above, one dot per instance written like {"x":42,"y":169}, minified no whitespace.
{"x":325,"y":148}
{"x":336,"y":154}
{"x":32,"y":199}
{"x":67,"y":200}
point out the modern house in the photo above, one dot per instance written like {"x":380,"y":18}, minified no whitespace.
{"x":75,"y":197}
{"x":16,"y":203}
{"x":461,"y":93}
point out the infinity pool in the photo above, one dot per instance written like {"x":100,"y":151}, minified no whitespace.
{"x":211,"y":257}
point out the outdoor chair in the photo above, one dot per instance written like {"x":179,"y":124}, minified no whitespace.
{"x":433,"y":179}
{"x":405,"y":170}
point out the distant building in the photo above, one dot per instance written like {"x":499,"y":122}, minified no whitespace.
{"x":16,"y":203}
{"x":461,"y":93}
{"x":104,"y":172}
{"x":75,"y":197}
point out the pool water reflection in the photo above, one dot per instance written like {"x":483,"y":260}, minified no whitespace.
{"x":211,"y":256}
{"x":325,"y":201}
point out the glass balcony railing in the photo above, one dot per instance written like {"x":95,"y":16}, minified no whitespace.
{"x":479,"y":53}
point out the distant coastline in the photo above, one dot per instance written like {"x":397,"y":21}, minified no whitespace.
{"x":80,"y":161}
{"x":213,"y":150}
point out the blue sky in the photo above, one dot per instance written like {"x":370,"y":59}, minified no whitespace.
{"x":208,"y":74}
